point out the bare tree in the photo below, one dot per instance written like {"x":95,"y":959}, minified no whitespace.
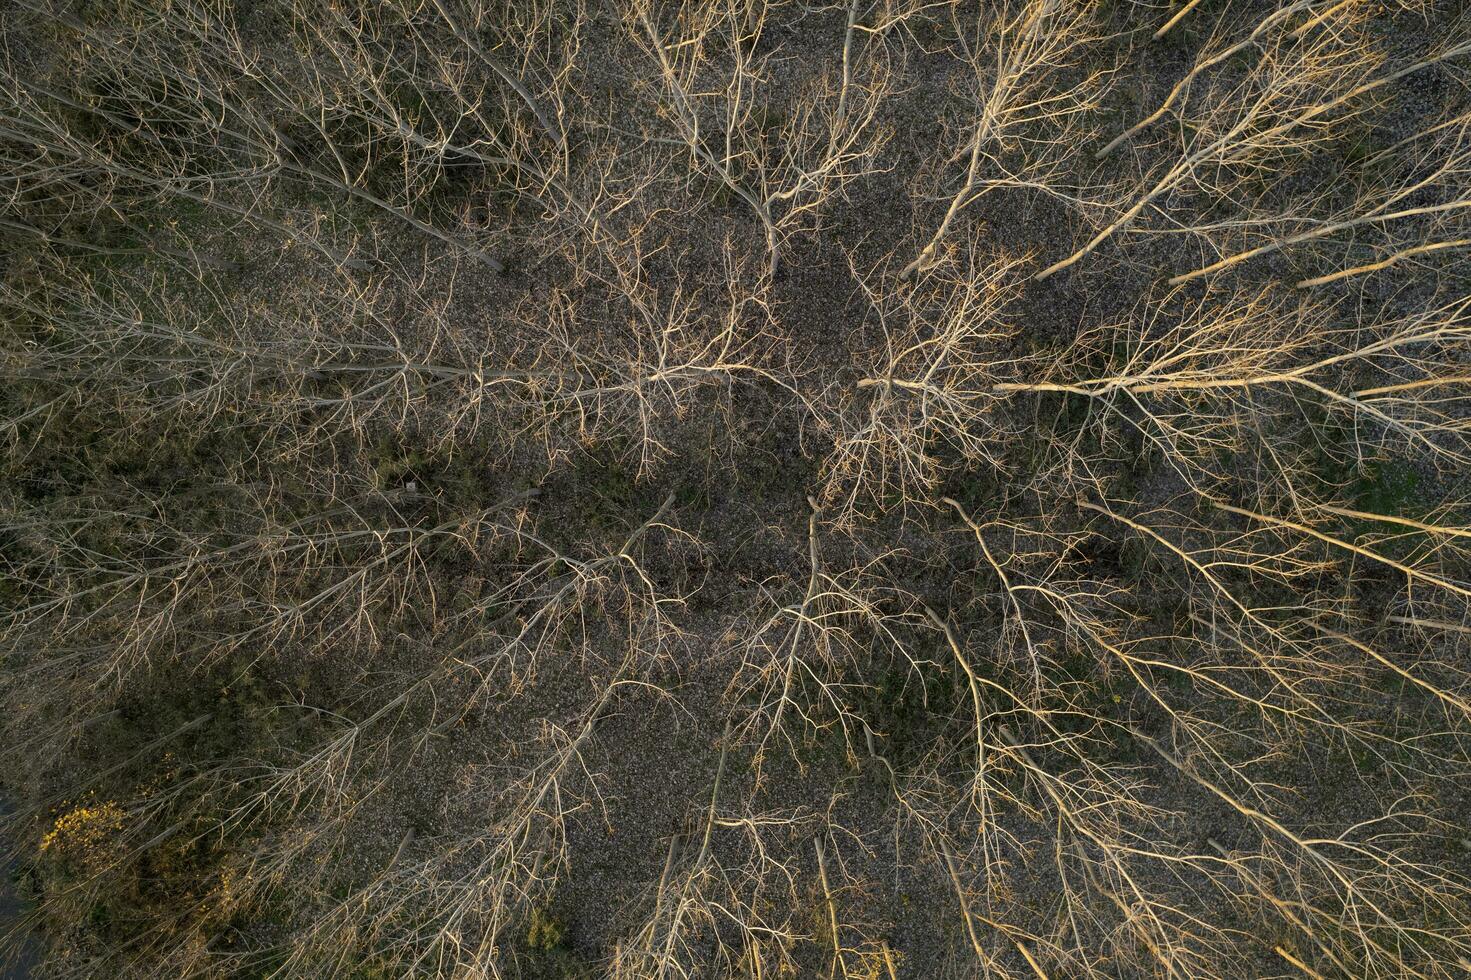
{"x":785,"y":161}
{"x":1030,"y":94}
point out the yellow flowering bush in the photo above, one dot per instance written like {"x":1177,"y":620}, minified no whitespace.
{"x":80,"y":836}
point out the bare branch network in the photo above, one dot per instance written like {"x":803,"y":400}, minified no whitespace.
{"x":859,"y":489}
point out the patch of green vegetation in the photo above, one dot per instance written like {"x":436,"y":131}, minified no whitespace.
{"x":1379,"y":486}
{"x":544,"y":931}
{"x":609,"y":498}
{"x":395,"y":465}
{"x":548,"y":957}
{"x":977,"y":490}
{"x":1076,"y":667}
{"x":1361,"y":146}
{"x":1389,"y":487}
{"x":903,"y":704}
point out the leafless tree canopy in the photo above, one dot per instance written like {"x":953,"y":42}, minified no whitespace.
{"x":858,"y":489}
